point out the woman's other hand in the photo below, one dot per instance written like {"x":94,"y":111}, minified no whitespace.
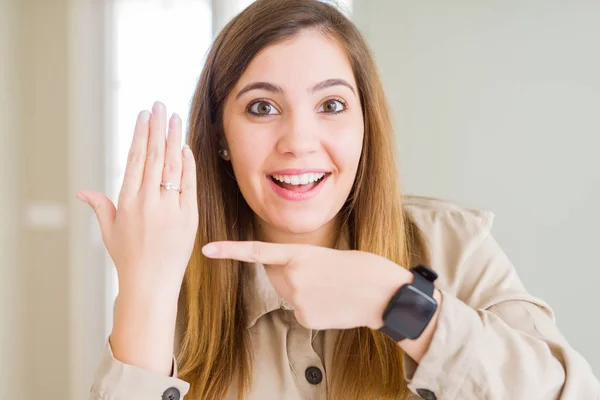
{"x":150,"y":235}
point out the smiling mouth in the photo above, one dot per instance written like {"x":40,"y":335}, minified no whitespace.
{"x":299,"y":183}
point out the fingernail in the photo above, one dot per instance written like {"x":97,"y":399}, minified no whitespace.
{"x":174,"y":121}
{"x":187,"y":152}
{"x":81,"y":197}
{"x":209,"y":249}
{"x":144,"y":116}
{"x":158,"y":107}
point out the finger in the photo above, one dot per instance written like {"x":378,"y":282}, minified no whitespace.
{"x":252,"y":251}
{"x":104,"y":208}
{"x":134,"y":171}
{"x":155,"y":154}
{"x":189,"y":197}
{"x":172,"y":168}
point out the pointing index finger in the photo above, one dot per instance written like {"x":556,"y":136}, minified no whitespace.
{"x":252,"y":251}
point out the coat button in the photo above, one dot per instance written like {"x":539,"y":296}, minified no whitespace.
{"x":171,"y":394}
{"x":426,"y":394}
{"x":314,"y":376}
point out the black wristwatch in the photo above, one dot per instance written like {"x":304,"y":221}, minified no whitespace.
{"x":412,"y":307}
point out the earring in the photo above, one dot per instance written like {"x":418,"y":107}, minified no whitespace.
{"x":224,"y":154}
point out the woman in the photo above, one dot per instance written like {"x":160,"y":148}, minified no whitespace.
{"x":272,"y":254}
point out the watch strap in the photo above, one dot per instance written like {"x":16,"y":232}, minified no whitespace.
{"x":421,"y":282}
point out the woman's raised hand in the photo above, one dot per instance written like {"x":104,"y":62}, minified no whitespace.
{"x":150,"y":234}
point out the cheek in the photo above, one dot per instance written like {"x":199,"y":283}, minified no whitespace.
{"x":346,"y":147}
{"x":249,"y":148}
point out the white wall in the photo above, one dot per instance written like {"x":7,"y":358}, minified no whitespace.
{"x":89,"y":43}
{"x":496,"y":105}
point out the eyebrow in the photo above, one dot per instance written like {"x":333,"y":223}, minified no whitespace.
{"x":276,"y":89}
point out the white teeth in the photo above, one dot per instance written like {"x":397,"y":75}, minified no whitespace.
{"x":299,"y":179}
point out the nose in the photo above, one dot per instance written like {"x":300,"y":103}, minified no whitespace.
{"x":298,"y":135}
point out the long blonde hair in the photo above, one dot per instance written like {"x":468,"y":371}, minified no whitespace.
{"x":214,"y":351}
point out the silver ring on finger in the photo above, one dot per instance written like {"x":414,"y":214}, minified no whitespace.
{"x":170,"y":186}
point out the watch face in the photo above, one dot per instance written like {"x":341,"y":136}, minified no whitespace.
{"x":411,"y":312}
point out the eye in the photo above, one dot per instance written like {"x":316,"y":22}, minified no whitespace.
{"x":333,"y":106}
{"x":262,"y":109}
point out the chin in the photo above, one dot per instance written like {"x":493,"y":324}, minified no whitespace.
{"x":300,"y":223}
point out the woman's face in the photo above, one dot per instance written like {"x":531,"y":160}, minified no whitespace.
{"x":294,"y":130}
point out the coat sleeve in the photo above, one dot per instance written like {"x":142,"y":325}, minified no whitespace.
{"x":115,"y":380}
{"x":496,"y":341}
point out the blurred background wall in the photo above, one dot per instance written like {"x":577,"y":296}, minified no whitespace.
{"x":10,"y":310}
{"x":35,"y":278}
{"x":495,"y":105}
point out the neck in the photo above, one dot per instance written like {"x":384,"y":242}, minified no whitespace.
{"x":325,"y":236}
